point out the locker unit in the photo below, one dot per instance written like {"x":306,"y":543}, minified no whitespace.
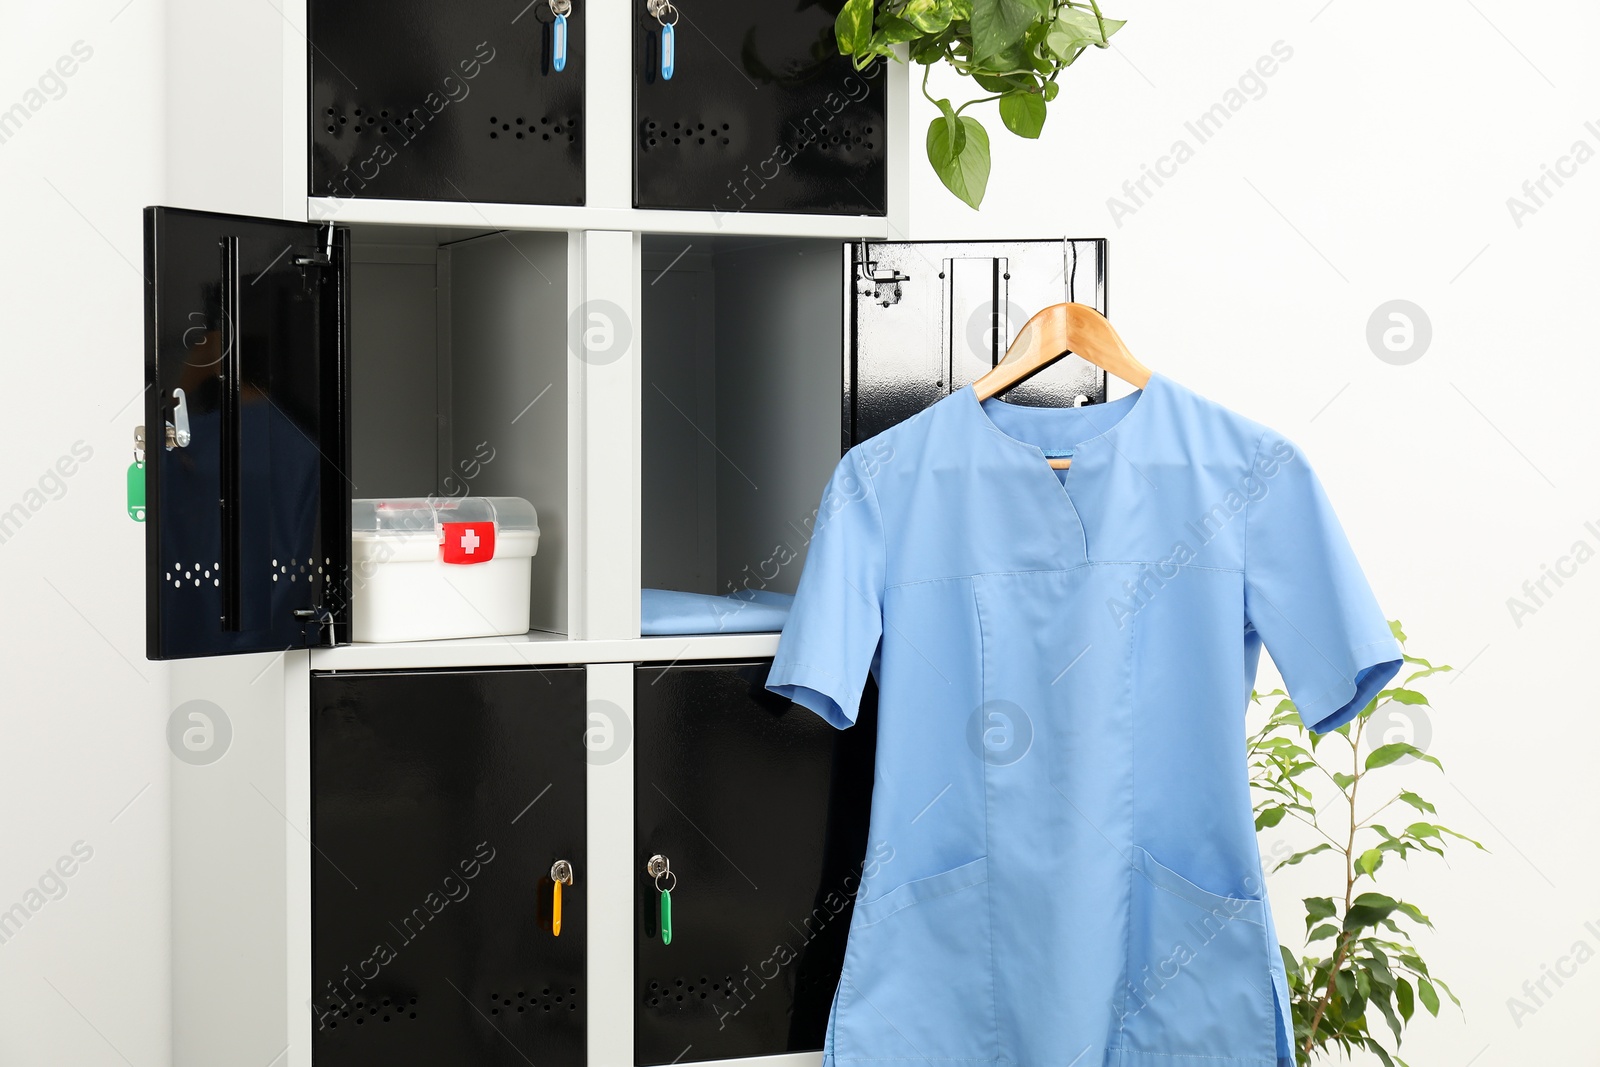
{"x":759,"y":807}
{"x":760,"y":113}
{"x":443,"y":800}
{"x":453,"y":101}
{"x":473,"y":273}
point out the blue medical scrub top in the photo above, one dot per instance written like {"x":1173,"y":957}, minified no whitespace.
{"x":1062,"y":867}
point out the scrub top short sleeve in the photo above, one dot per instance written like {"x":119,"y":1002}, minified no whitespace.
{"x":1306,"y":596}
{"x":831,"y":637}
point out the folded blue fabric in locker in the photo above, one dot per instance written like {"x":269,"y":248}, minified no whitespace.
{"x":670,"y":611}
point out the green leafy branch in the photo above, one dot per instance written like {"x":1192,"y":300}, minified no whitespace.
{"x":1014,"y":50}
{"x":1367,"y":959}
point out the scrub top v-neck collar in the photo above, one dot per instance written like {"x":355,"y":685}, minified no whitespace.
{"x":1082,"y":432}
{"x":1064,"y":423}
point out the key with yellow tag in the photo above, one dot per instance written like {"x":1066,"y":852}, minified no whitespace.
{"x":561,"y":875}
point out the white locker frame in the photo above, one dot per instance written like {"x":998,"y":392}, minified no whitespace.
{"x":219,"y":102}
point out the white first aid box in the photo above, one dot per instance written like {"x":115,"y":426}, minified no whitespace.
{"x":430,"y":568}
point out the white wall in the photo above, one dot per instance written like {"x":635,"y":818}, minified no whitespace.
{"x":83,"y":756}
{"x":1377,"y":167}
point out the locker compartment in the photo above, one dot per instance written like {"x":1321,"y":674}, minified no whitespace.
{"x":292,"y":368}
{"x":760,"y":810}
{"x":442,"y":801}
{"x":761,"y":112}
{"x":763,"y":359}
{"x":458,"y":355}
{"x":740,"y":371}
{"x":422,"y":100}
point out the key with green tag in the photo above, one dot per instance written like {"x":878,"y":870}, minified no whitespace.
{"x":660,"y":868}
{"x":136,"y":477}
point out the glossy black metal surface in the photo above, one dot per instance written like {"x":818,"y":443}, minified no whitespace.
{"x":446,"y":796}
{"x":762,"y":808}
{"x":924,"y":318}
{"x":247,"y":526}
{"x":452,"y":100}
{"x":762,"y":113}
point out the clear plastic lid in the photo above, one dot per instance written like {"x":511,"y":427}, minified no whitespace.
{"x":405,"y":517}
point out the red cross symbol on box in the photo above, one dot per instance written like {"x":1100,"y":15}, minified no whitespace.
{"x":467,"y":542}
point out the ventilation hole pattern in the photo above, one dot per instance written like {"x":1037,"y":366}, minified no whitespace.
{"x":377,"y":1011}
{"x":682,"y":992}
{"x":551,"y":128}
{"x":688,"y":133}
{"x":194,"y":575}
{"x":536,"y":1002}
{"x":683,"y":134}
{"x":366,"y":122}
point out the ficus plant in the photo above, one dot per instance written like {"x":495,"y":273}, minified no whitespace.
{"x":1360,"y":967}
{"x":1013,"y":50}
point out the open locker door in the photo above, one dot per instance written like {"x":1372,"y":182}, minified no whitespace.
{"x":925,"y":318}
{"x":247,"y":494}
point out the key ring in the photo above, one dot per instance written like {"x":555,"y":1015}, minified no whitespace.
{"x":560,"y":7}
{"x":666,"y":874}
{"x":659,"y":8}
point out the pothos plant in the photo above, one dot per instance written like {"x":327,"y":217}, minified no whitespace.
{"x":1359,"y":962}
{"x":1014,"y":50}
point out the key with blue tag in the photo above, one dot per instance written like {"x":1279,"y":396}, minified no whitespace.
{"x":666,"y":14}
{"x":558,"y":33}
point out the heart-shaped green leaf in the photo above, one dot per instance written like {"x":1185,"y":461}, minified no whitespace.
{"x":853,"y":27}
{"x":998,"y":25}
{"x":959,"y":152}
{"x":1023,"y":113}
{"x":929,"y":16}
{"x":892,"y":30}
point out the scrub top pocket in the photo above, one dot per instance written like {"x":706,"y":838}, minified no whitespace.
{"x":923,"y":994}
{"x":1199,"y":990}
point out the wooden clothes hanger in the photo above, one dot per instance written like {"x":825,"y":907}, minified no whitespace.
{"x":1059,"y":330}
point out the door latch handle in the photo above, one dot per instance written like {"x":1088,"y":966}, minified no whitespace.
{"x":178,"y":426}
{"x":560,"y":874}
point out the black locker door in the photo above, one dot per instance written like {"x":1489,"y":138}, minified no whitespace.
{"x":440,"y":802}
{"x":451,"y":100}
{"x":761,"y":113}
{"x":924,"y":318}
{"x":247,"y":497}
{"x":761,"y":809}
